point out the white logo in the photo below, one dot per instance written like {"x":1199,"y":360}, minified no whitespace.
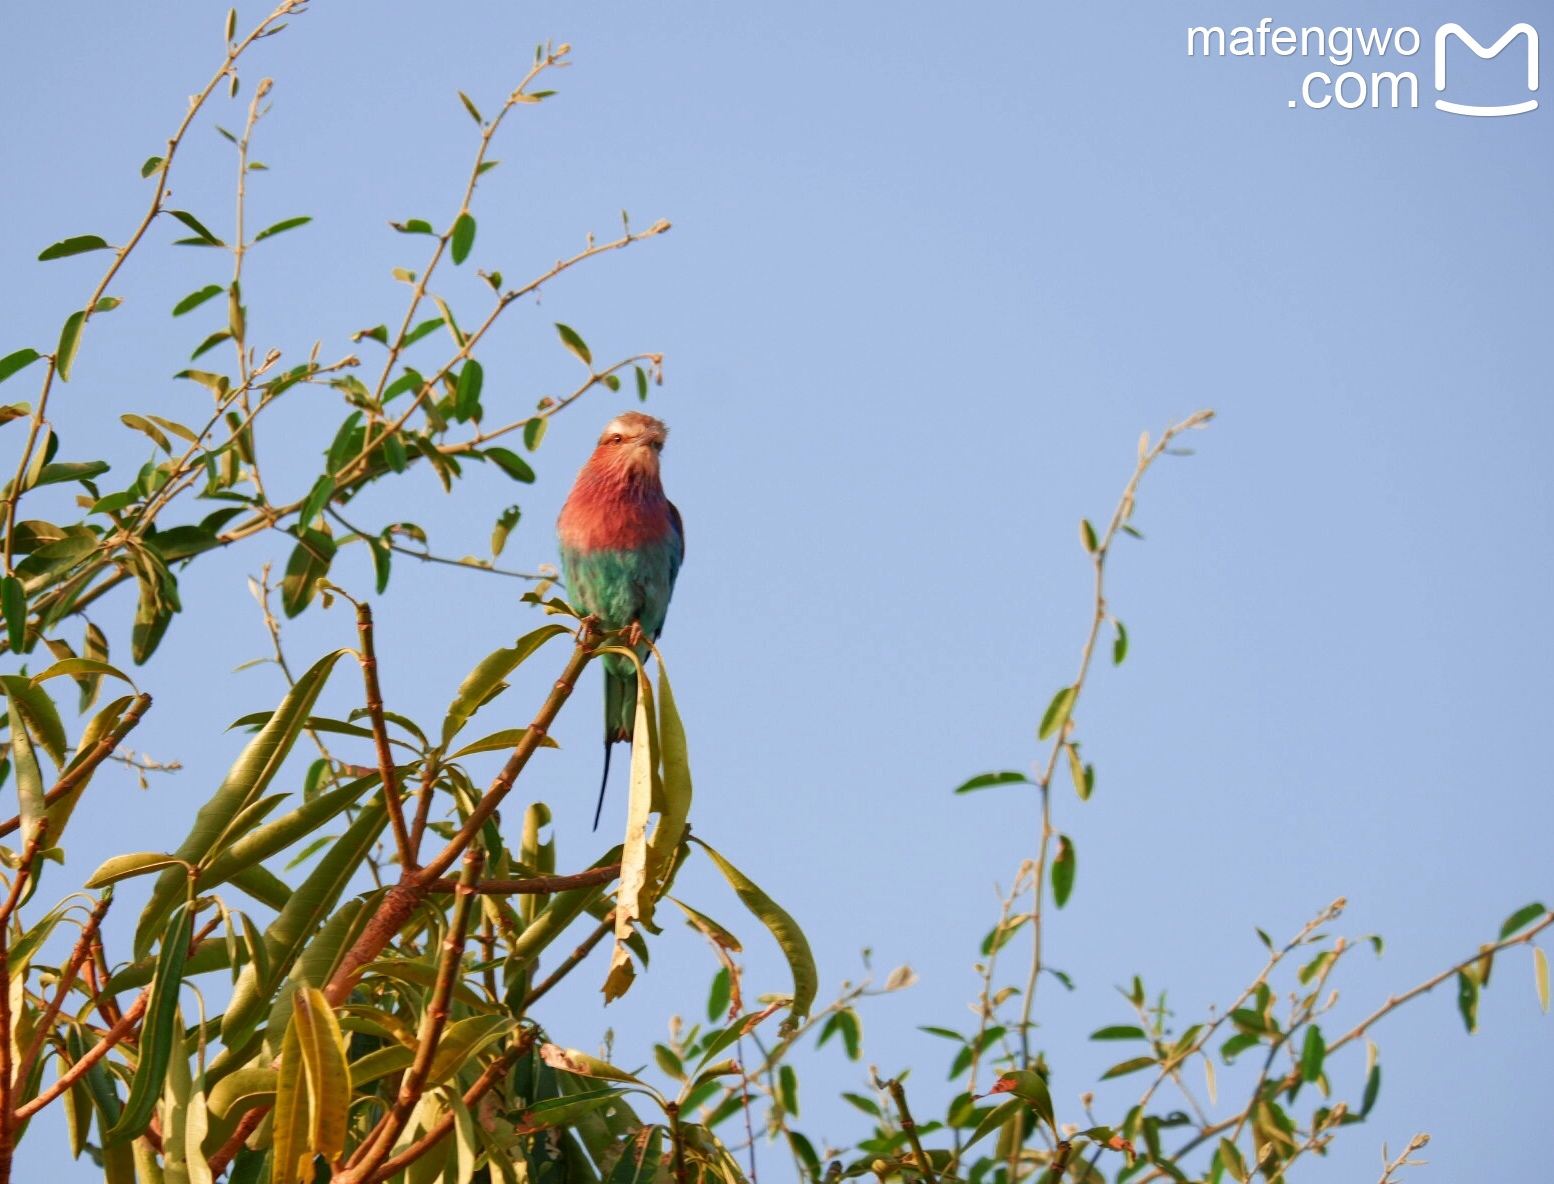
{"x":1466,"y":38}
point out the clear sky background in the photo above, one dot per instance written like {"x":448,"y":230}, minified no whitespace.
{"x":933,"y":269}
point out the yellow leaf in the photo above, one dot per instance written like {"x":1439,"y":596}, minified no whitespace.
{"x":292,"y":1160}
{"x":328,"y":1076}
{"x":1540,"y":973}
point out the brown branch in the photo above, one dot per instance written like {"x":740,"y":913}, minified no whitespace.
{"x":423,"y":805}
{"x":85,"y":766}
{"x":377,"y":1146}
{"x":535,"y":885}
{"x":70,"y":1076}
{"x":573,"y":960}
{"x":504,"y":780}
{"x":898,"y":1095}
{"x":380,"y":737}
{"x":67,"y":978}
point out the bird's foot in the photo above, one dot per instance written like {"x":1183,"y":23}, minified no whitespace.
{"x":588,"y":630}
{"x":632,"y":634}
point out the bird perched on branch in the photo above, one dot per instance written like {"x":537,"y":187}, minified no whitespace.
{"x":622,"y":543}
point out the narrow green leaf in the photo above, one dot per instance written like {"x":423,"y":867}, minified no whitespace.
{"x":795,"y":946}
{"x":245,"y":783}
{"x":157,"y":1030}
{"x":576,"y":344}
{"x":1120,"y":644}
{"x":1313,"y":1052}
{"x":1032,"y":1088}
{"x":467,"y":400}
{"x":13,"y":603}
{"x":511,"y":463}
{"x":122,"y":867}
{"x":1120,"y":1032}
{"x":482,"y":681}
{"x":78,"y":245}
{"x":533,"y":432}
{"x":984,"y":780}
{"x":29,"y":778}
{"x":470,"y":107}
{"x":1467,"y":999}
{"x":1057,"y":712}
{"x":274,"y":837}
{"x":1520,"y":919}
{"x":1372,"y":1089}
{"x":1063,"y":871}
{"x":1087,"y":536}
{"x":463,"y":237}
{"x":153,"y":164}
{"x":562,"y":1111}
{"x":306,"y":909}
{"x":280,"y":227}
{"x":1230,"y":1156}
{"x":1132,"y":1066}
{"x":309,"y":562}
{"x":141,"y":424}
{"x":17,"y":360}
{"x":205,"y":238}
{"x":69,"y":343}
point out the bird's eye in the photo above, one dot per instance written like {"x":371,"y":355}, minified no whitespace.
{"x":616,"y":438}
{"x":658,"y":445}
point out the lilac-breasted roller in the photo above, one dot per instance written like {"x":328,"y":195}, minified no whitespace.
{"x":622,"y":543}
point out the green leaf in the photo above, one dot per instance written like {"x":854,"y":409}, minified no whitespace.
{"x":1119,"y":1032}
{"x":413,"y":226}
{"x":62,"y":471}
{"x":13,"y":603}
{"x":157,"y":1031}
{"x":533,"y":432}
{"x":40,"y":715}
{"x":482,"y":681}
{"x":69,"y":343}
{"x":430,"y":325}
{"x":504,"y":527}
{"x":984,"y":780}
{"x":1032,"y":1088}
{"x":642,"y":384}
{"x":562,"y":1111}
{"x":795,"y":946}
{"x":78,"y":245}
{"x":1063,"y":872}
{"x":274,"y":837}
{"x":18,"y":360}
{"x":1057,"y":712}
{"x":994,"y":1119}
{"x":1230,"y":1156}
{"x":1467,"y":998}
{"x":467,"y":400}
{"x":240,"y":1092}
{"x":511,"y":463}
{"x":280,"y":227}
{"x":205,"y":237}
{"x":1120,"y":644}
{"x":576,"y":344}
{"x":152,"y":165}
{"x":1372,"y":1089}
{"x":1087,"y":536}
{"x":29,"y":778}
{"x":1520,"y":919}
{"x":211,"y":343}
{"x":570,"y":1060}
{"x":141,"y":424}
{"x":470,"y":107}
{"x":306,"y":909}
{"x":1127,"y":1067}
{"x":309,"y":562}
{"x":244,"y":784}
{"x":1312,"y":1054}
{"x":463,"y":237}
{"x":122,"y":867}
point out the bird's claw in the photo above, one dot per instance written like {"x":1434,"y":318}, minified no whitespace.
{"x":588,"y":630}
{"x":632,"y":634}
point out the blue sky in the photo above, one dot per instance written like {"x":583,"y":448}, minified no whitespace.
{"x":932,"y":271}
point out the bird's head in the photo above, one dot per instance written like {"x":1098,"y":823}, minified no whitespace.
{"x":632,"y":441}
